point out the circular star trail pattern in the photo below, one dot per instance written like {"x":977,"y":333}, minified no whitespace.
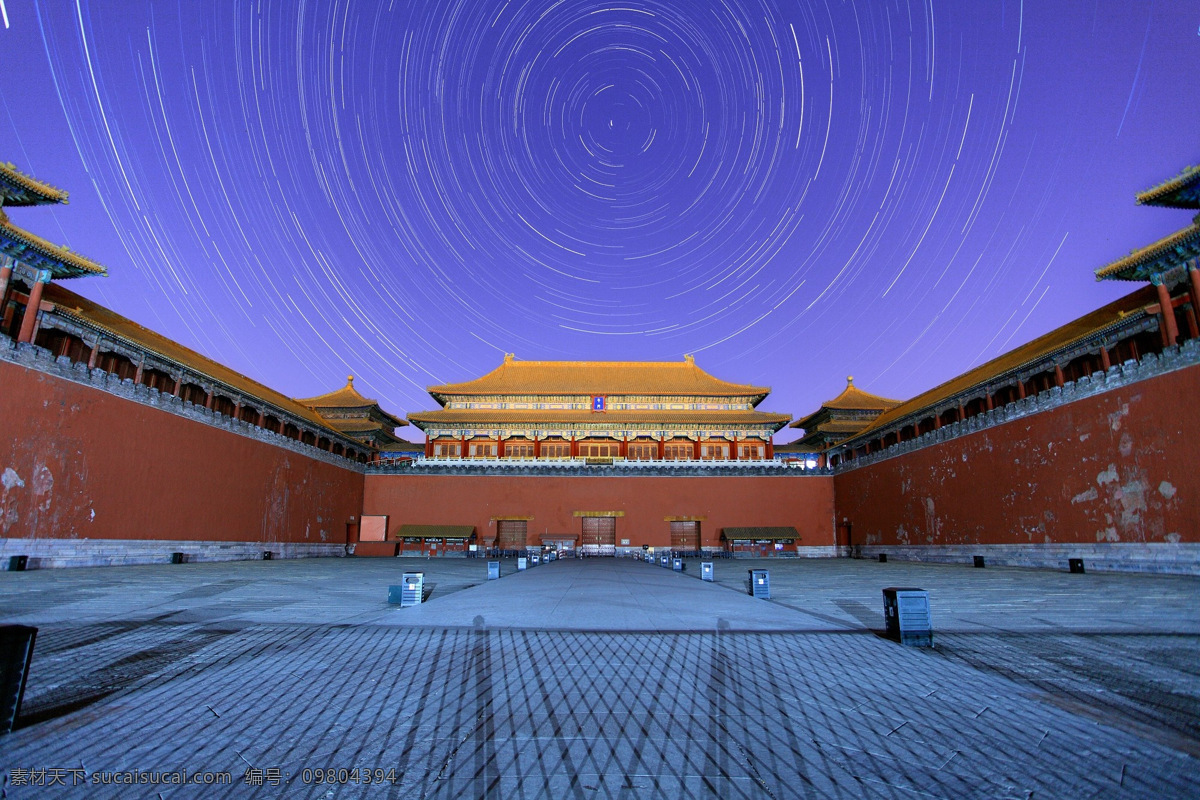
{"x":409,"y":189}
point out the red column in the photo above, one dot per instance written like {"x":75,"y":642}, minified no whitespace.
{"x":95,"y":356}
{"x":209,"y":400}
{"x":464,"y":445}
{"x":1059,"y":378}
{"x":662,"y":449}
{"x":1193,"y":286}
{"x":1193,"y":325}
{"x":820,"y":460}
{"x":428,"y":446}
{"x":1170,"y":328}
{"x":624,"y":446}
{"x":574,"y":446}
{"x":29,"y":323}
{"x":733,"y":447}
{"x":770,"y":449}
{"x":1020,"y":389}
{"x":5,"y":277}
{"x":990,"y":406}
{"x":537,"y":447}
{"x":1105,"y":361}
{"x":499,"y":447}
{"x":696,"y":449}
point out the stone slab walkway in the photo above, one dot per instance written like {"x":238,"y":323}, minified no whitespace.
{"x":601,"y":679}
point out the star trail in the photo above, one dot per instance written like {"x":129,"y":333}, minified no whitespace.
{"x":791,"y":191}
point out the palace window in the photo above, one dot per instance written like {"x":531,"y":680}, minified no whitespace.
{"x":750,"y":452}
{"x":483,"y":449}
{"x":447,"y":449}
{"x":714,"y":452}
{"x":679,"y":452}
{"x":599,"y":449}
{"x":642,"y":451}
{"x":556,"y":449}
{"x":518,"y":449}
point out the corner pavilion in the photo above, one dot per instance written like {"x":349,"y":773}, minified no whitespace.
{"x":599,"y":410}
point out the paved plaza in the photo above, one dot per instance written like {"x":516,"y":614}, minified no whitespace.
{"x":604,"y":678}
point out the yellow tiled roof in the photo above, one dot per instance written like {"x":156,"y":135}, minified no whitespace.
{"x":347,"y":398}
{"x":487,"y":416}
{"x":856,"y":399}
{"x":18,"y":189}
{"x":1179,"y":191}
{"x":675,"y":378}
{"x":70,"y":265}
{"x":69,"y":304}
{"x":1119,"y":311}
{"x":851,"y":399}
{"x":1177,"y":248}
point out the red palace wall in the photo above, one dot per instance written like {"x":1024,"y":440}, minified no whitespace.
{"x":1118,"y":467}
{"x":803,"y":502}
{"x":80,"y":463}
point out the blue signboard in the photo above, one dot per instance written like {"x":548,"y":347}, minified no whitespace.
{"x":598,"y":403}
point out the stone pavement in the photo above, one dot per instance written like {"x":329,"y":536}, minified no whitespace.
{"x":605,"y":678}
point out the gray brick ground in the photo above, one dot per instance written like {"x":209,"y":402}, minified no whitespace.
{"x":609,"y":679}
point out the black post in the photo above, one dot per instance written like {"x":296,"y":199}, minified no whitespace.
{"x":16,"y":651}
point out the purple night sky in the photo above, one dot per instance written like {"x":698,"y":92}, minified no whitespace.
{"x":792,"y":191}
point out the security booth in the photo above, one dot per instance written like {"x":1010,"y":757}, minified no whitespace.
{"x":522,"y":563}
{"x":561,"y":543}
{"x":761,"y":541}
{"x":664,"y":560}
{"x":677,"y":564}
{"x":907,"y":616}
{"x":493,"y":570}
{"x":435,"y":540}
{"x":706,"y":570}
{"x":760,"y":584}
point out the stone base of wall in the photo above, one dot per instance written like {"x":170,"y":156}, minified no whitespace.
{"x":52,"y":553}
{"x":1173,"y":559}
